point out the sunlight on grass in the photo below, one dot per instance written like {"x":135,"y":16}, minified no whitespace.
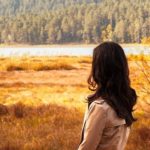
{"x":41,"y":63}
{"x":42,"y":102}
{"x":43,"y":127}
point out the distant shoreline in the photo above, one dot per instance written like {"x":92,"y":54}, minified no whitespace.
{"x":66,"y":45}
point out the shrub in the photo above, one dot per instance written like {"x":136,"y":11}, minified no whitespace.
{"x":55,"y":67}
{"x":19,"y":110}
{"x":3,"y":110}
{"x":14,"y":68}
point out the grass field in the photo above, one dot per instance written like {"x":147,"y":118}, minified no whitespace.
{"x":42,"y":102}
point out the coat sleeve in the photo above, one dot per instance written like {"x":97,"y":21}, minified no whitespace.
{"x":95,"y":123}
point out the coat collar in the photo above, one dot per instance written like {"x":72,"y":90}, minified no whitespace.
{"x":99,"y":100}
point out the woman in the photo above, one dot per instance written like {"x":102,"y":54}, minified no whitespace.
{"x":108,"y":118}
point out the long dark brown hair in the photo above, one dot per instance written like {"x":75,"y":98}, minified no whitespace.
{"x":109,"y":79}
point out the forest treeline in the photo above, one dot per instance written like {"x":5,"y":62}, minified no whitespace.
{"x":73,"y":21}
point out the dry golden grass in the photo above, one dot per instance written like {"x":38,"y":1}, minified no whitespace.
{"x":45,"y":127}
{"x":140,"y":133}
{"x":52,"y":63}
{"x":43,"y":110}
{"x":42,"y":63}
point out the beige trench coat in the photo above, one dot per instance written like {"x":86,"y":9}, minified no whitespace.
{"x":103,"y":129}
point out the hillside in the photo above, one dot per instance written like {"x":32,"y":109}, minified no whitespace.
{"x":9,"y":7}
{"x":73,"y":21}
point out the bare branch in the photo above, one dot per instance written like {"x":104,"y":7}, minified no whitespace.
{"x":143,"y":71}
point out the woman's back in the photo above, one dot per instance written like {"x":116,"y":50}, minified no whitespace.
{"x":103,"y":129}
{"x":109,"y":117}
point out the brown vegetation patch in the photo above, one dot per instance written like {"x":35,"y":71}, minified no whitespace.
{"x":43,"y":127}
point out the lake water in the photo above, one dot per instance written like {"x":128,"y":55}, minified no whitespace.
{"x":63,"y":50}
